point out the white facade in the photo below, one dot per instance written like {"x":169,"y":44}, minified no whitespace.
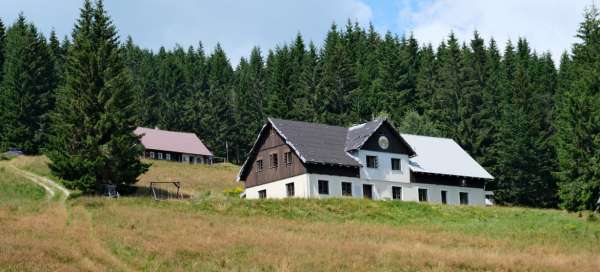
{"x":307,"y":185}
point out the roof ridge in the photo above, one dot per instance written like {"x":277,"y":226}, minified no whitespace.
{"x":435,"y":137}
{"x":172,"y":131}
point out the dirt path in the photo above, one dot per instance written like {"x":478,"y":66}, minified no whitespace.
{"x":52,"y":187}
{"x":77,"y":224}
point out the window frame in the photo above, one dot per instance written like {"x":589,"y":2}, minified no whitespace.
{"x":426,"y":195}
{"x":399,"y":164}
{"x":152,"y":154}
{"x":323,"y":189}
{"x":290,"y":189}
{"x":259,"y":165}
{"x":160,"y":155}
{"x":394,"y":195}
{"x":288,"y":158}
{"x":346,"y":192}
{"x":273,"y":160}
{"x":460,"y":198}
{"x":168,"y":156}
{"x":262,"y":194}
{"x":374,"y":165}
{"x":444,"y":196}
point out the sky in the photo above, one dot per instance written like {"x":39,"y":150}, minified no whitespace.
{"x":549,"y":25}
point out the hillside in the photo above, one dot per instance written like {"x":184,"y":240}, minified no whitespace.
{"x":213,"y":232}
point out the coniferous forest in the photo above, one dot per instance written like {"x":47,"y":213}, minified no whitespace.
{"x":534,"y":125}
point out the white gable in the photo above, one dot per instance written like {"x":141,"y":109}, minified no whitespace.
{"x":442,"y":156}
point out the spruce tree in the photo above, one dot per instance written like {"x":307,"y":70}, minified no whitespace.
{"x":2,"y":38}
{"x":218,"y":122}
{"x":92,"y":140}
{"x":578,"y":119}
{"x":26,"y":89}
{"x":249,"y":101}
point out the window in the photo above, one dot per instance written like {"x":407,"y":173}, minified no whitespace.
{"x":395,"y":164}
{"x":259,"y":165}
{"x":262,"y":194}
{"x":444,"y":197}
{"x":397,"y":192}
{"x":464,"y":198}
{"x":273,"y":160}
{"x":288,"y":158}
{"x":368,"y":191}
{"x":372,"y":161}
{"x":289,"y":188}
{"x":323,"y":187}
{"x":168,"y":155}
{"x":160,"y":157}
{"x":422,"y":195}
{"x":152,"y":155}
{"x":346,"y":189}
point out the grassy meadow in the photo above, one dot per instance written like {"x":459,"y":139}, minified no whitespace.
{"x":214,"y":232}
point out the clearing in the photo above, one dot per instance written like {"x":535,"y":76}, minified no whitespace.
{"x":214,"y":232}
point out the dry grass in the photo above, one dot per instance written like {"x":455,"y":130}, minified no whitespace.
{"x":161,"y":237}
{"x":195,"y":178}
{"x":216,"y":233}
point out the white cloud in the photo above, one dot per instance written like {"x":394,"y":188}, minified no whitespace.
{"x":549,"y":25}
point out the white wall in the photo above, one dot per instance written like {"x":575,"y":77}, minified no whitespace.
{"x":382,"y":190}
{"x":384,"y":168}
{"x":277,"y":189}
{"x":307,"y":185}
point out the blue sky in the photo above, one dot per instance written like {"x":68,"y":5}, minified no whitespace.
{"x":549,"y":25}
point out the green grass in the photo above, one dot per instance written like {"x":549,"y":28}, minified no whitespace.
{"x":522,"y":226}
{"x":17,"y":193}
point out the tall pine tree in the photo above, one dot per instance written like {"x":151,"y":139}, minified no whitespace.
{"x":93,"y":141}
{"x":26,"y":89}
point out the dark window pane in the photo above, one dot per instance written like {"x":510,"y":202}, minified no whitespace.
{"x":290,"y":189}
{"x":346,"y":189}
{"x":371,"y":161}
{"x":262,"y":194}
{"x":422,"y":195}
{"x":288,"y":158}
{"x":323,"y":187}
{"x":368,"y":191}
{"x":397,"y":193}
{"x":274,"y":160}
{"x":464,"y":198}
{"x":259,"y":165}
{"x":395,"y":164}
{"x":444,"y":197}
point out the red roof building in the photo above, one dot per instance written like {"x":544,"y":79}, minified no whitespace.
{"x":177,"y":146}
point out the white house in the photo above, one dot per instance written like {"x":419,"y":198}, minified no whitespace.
{"x":371,"y":160}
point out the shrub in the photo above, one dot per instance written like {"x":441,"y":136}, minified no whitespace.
{"x":233,"y":192}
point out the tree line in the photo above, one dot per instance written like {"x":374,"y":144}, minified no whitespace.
{"x":534,"y":126}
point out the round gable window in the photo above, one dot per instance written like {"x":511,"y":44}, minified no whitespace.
{"x":383,"y":141}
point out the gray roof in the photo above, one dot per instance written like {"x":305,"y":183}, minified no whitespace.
{"x":443,"y":156}
{"x":359,"y":134}
{"x":315,"y":143}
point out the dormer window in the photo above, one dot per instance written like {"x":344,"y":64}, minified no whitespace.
{"x":371,"y":161}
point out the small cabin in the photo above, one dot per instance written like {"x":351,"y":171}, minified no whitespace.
{"x":184,"y":147}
